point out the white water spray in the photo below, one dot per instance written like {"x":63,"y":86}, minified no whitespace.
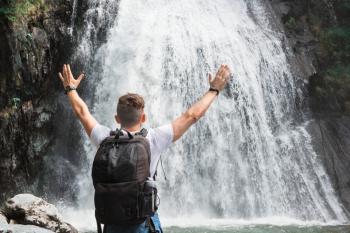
{"x":249,"y":157}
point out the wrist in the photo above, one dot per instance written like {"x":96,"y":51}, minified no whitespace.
{"x":69,"y":88}
{"x":212,"y":89}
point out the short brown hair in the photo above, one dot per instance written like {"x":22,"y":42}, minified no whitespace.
{"x":130,"y":108}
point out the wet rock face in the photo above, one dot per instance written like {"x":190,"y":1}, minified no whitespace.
{"x":25,"y":136}
{"x":305,"y":22}
{"x":331,"y":142}
{"x":30,"y":44}
{"x":33,"y":48}
{"x":302,"y":20}
{"x":27,"y":209}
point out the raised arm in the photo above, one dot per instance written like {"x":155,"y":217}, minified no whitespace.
{"x":79,"y":107}
{"x":198,"y":109}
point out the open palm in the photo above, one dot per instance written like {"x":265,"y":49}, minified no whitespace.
{"x":67,"y":77}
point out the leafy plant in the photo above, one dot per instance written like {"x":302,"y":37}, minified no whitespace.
{"x":14,"y":102}
{"x":339,"y":71}
{"x":337,"y":41}
{"x":13,"y":9}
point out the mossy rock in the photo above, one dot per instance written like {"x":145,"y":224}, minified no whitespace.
{"x":13,"y":10}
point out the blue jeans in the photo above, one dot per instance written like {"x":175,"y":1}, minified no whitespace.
{"x":142,"y":228}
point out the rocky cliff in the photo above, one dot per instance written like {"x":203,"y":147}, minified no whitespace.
{"x":40,"y":138}
{"x":35,"y":40}
{"x":319,"y":34}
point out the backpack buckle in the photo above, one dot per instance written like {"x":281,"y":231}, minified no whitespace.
{"x":117,"y":133}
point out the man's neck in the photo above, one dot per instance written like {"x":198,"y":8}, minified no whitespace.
{"x":135,"y":128}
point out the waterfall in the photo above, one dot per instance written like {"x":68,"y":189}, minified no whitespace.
{"x":251,"y":156}
{"x":73,"y":16}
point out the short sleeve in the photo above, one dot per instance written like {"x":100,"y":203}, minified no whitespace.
{"x":98,"y":134}
{"x":161,"y":138}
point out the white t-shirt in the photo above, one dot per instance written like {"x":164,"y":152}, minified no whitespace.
{"x":160,"y":139}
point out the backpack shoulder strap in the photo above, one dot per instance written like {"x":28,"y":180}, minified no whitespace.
{"x":143,"y":132}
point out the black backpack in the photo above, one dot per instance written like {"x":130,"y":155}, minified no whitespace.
{"x":124,"y":192}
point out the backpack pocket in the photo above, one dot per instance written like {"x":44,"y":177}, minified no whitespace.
{"x":149,"y":198}
{"x":117,"y":203}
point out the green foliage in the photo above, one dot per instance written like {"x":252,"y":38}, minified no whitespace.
{"x":337,"y":42}
{"x":339,"y":34}
{"x":339,"y":71}
{"x":291,"y":23}
{"x":14,"y":102}
{"x":13,"y":9}
{"x":335,"y":84}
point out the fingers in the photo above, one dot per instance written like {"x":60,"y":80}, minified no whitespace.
{"x":67,"y":77}
{"x":226,"y":69}
{"x":65,"y":71}
{"x":226,"y":72}
{"x":69,"y":71}
{"x":221,"y":79}
{"x":81,"y":76}
{"x":61,"y":77}
{"x":221,"y":70}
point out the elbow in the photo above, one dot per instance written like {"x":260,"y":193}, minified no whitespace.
{"x":193,"y":116}
{"x":183,"y":123}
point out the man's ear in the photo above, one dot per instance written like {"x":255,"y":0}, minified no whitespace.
{"x":117,"y":119}
{"x":143,"y":118}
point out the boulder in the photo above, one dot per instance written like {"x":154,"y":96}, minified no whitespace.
{"x":18,"y":228}
{"x":3,"y":221}
{"x":28,"y":209}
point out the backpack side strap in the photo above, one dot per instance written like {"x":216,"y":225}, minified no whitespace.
{"x":99,"y":226}
{"x":150,"y":224}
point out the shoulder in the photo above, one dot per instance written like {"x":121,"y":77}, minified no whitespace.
{"x":164,"y":130}
{"x":161,"y":136}
{"x":99,"y":133}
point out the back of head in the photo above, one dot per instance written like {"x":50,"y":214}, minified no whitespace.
{"x":129,"y":109}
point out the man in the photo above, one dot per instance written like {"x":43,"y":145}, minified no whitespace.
{"x":130,"y":115}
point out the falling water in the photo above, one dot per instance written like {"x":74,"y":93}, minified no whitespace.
{"x":73,"y":16}
{"x":98,"y":19}
{"x":250,"y":157}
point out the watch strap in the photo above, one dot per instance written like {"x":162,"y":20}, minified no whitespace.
{"x":68,"y":89}
{"x":216,"y":90}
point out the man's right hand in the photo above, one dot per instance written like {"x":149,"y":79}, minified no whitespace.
{"x":221,"y":78}
{"x":198,"y":109}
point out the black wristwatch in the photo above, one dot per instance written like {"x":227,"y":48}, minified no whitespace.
{"x":216,"y":90}
{"x":69,"y":88}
